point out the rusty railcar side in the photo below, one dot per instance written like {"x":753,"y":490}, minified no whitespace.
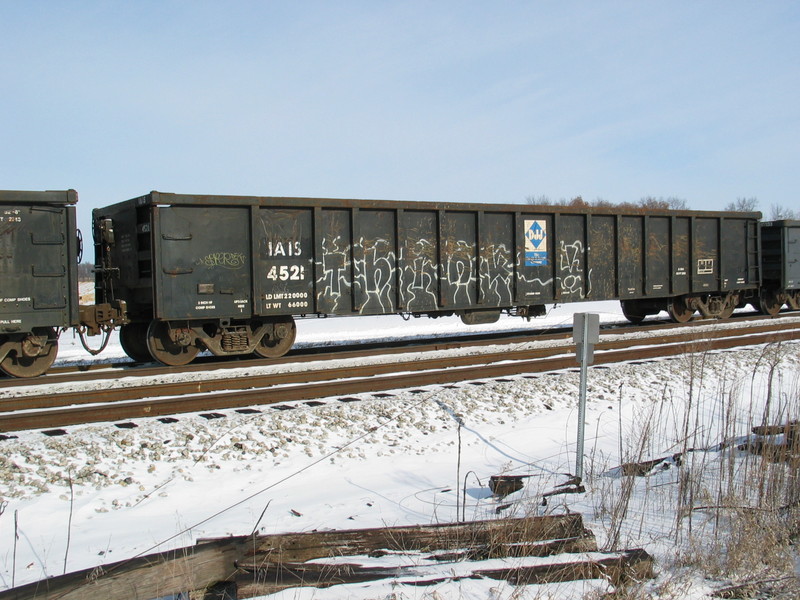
{"x":780,"y":251}
{"x":38,"y":277}
{"x":229,"y":273}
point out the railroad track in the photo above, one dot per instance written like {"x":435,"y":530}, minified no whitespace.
{"x":53,"y":410}
{"x":117,"y":370}
{"x":102,"y":370}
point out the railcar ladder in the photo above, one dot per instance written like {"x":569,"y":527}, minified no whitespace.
{"x":753,"y":252}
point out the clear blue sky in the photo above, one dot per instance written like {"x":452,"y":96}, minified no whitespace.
{"x":452,"y":101}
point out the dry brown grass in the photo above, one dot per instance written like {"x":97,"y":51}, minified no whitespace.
{"x":736,"y":513}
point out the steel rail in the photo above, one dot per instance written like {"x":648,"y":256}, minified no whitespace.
{"x":118,"y":370}
{"x":381,"y":378}
{"x":214,"y":363}
{"x":239,"y":382}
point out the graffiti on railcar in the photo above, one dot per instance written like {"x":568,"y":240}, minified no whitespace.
{"x":334,"y":283}
{"x":376,"y":269}
{"x":418,"y":276}
{"x":459,"y":270}
{"x":571,"y":269}
{"x":498,"y":271}
{"x":226,"y":260}
{"x":375,"y":263}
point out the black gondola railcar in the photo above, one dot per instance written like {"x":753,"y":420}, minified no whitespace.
{"x":38,"y":275}
{"x":780,"y":259}
{"x":230,"y":273}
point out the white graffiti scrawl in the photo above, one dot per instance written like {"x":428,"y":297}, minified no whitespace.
{"x":459,"y":271}
{"x":377,"y":270}
{"x":364,"y":277}
{"x":418,"y":276}
{"x":335,"y":266}
{"x":498,"y":272}
{"x":571,"y":270}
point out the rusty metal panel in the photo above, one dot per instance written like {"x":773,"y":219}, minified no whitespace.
{"x":202,"y":262}
{"x":458,"y":268}
{"x":375,"y":262}
{"x":780,"y":248}
{"x":791,"y":255}
{"x":737,"y":244}
{"x":681,"y":228}
{"x":602,"y":254}
{"x":334,"y":287}
{"x":419,"y":280}
{"x":497,"y":255}
{"x":705,"y":255}
{"x":572,"y":276}
{"x":38,"y":260}
{"x":283,"y":270}
{"x":657,"y":257}
{"x":631,"y":256}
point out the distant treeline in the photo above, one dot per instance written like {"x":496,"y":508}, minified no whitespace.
{"x":650,"y":202}
{"x":777,"y":211}
{"x":85,"y":271}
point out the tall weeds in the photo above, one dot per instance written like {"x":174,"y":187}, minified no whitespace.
{"x":735,"y":512}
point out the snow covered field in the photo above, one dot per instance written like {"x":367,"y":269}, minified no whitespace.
{"x":102,"y":494}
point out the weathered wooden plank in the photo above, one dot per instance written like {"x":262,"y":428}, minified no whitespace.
{"x":625,"y":566}
{"x":211,"y":561}
{"x":491,"y":534}
{"x":152,"y":576}
{"x":584,"y":543}
{"x":617,"y":568}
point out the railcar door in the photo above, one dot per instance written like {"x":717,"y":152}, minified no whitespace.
{"x":284,"y":270}
{"x":34,"y":267}
{"x":202,"y":265}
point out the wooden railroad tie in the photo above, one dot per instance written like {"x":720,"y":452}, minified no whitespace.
{"x":551,"y":548}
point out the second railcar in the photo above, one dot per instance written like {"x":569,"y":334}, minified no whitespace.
{"x":230,"y":273}
{"x":780,"y":252}
{"x":38,"y":277}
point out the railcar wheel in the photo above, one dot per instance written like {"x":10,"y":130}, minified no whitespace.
{"x":133,"y":339}
{"x":678,"y":310}
{"x":793,"y":300}
{"x":726,"y":312}
{"x":632,"y":311}
{"x":167,"y":351}
{"x":34,"y":355}
{"x":728,"y":308}
{"x":768,"y":303}
{"x":280,"y":341}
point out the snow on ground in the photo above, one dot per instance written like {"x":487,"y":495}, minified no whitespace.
{"x":386,"y":461}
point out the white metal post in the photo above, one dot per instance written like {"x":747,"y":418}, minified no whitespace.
{"x":585,"y":333}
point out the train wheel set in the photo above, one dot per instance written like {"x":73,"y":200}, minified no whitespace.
{"x":181,"y":274}
{"x":30,"y":355}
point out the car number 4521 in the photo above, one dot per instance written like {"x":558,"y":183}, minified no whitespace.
{"x":286,"y":273}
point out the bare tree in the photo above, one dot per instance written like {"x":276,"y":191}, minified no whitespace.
{"x":85,"y":271}
{"x":648,"y":202}
{"x":539,"y":200}
{"x":661,"y":203}
{"x":779,"y":212}
{"x":678,"y":203}
{"x":578,"y":202}
{"x":546,"y":201}
{"x":743,"y":205}
{"x":603,"y":203}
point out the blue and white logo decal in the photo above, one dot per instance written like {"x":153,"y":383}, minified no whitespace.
{"x":535,"y":243}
